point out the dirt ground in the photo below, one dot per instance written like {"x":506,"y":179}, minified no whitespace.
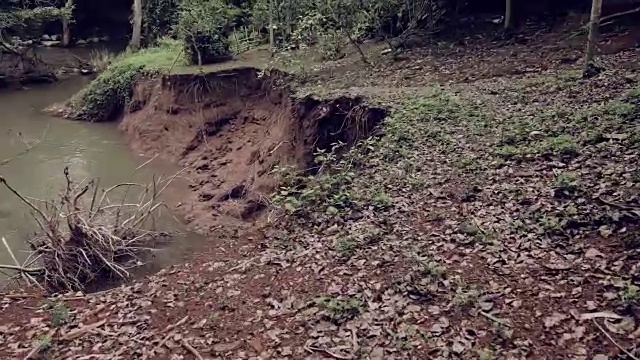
{"x":494,"y":214}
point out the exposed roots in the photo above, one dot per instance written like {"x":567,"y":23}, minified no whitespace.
{"x":84,"y":236}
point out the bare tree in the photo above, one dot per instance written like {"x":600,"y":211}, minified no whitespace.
{"x":594,"y":22}
{"x":137,"y":25}
{"x":508,"y":11}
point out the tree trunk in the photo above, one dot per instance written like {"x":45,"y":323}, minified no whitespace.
{"x":594,"y":22}
{"x":508,"y":10}
{"x":137,"y":25}
{"x":271,"y":35}
{"x":66,"y":31}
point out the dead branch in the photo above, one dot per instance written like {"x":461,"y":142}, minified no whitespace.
{"x":612,"y":16}
{"x":603,"y":331}
{"x":76,"y":333}
{"x":191,"y":349}
{"x":81,"y":239}
{"x":28,"y":147}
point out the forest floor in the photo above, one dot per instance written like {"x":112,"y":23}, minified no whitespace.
{"x":496,"y":215}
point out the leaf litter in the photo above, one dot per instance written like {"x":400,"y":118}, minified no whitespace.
{"x":494,"y":216}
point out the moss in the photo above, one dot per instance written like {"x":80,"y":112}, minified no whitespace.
{"x":105,"y":97}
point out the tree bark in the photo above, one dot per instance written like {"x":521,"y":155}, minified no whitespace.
{"x":66,"y":31}
{"x":271,"y":35}
{"x":594,"y":22}
{"x":137,"y":25}
{"x":508,"y":12}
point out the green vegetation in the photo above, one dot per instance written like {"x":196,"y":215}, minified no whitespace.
{"x":339,"y":309}
{"x":204,"y":27}
{"x":105,"y":97}
{"x":631,"y":295}
{"x":58,"y":311}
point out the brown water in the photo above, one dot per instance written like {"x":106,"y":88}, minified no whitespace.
{"x":90,"y":150}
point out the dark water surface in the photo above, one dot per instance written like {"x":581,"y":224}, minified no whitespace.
{"x":90,"y":150}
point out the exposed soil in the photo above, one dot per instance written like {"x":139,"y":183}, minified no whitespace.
{"x":494,"y":216}
{"x":231,"y":130}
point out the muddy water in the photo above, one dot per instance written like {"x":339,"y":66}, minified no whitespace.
{"x":89,"y":150}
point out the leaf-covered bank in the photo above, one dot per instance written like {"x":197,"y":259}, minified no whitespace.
{"x":493,"y":216}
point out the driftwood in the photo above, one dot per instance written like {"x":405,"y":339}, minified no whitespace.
{"x":85,"y":236}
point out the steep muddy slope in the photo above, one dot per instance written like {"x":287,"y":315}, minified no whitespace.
{"x":231,"y":129}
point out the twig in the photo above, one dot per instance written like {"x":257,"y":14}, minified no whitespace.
{"x":28,"y":147}
{"x":311,"y":349}
{"x":74,"y":334}
{"x":609,"y":17}
{"x":620,"y":206}
{"x":4,"y":242}
{"x":493,"y":318}
{"x":613,"y":341}
{"x":169,"y":328}
{"x":191,"y":349}
{"x":15,"y":192}
{"x":22,"y":269}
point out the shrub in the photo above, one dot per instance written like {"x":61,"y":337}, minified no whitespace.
{"x":331,"y":46}
{"x":204,"y":27}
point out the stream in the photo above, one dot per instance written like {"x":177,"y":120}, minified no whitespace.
{"x":90,"y":150}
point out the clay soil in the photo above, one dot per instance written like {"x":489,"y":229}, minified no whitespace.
{"x":493,"y":214}
{"x":231,"y":131}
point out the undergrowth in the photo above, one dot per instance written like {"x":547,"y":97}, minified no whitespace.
{"x":413,"y":125}
{"x":105,"y":97}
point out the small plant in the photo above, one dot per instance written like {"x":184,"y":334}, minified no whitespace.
{"x":618,"y":110}
{"x":331,"y":46}
{"x":345,"y":246}
{"x":381,"y":200}
{"x":634,"y":94}
{"x":507,"y":151}
{"x":631,"y":295}
{"x":465,"y":296}
{"x":44,"y":342}
{"x":59,"y":313}
{"x":562,"y":145}
{"x":485,"y":354}
{"x":566,"y":184}
{"x":431,"y":268}
{"x":550,"y":224}
{"x":340,"y":309}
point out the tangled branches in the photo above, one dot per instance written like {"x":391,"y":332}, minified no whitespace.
{"x":84,"y":236}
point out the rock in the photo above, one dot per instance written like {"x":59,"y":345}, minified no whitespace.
{"x":536,"y":135}
{"x":86,"y":72}
{"x":46,"y":37}
{"x":50,"y":43}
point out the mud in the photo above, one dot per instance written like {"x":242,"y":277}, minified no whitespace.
{"x":230,"y":130}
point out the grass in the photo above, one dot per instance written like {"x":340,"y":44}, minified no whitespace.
{"x":105,"y":97}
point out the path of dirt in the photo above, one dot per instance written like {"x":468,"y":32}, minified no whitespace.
{"x":495,"y":216}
